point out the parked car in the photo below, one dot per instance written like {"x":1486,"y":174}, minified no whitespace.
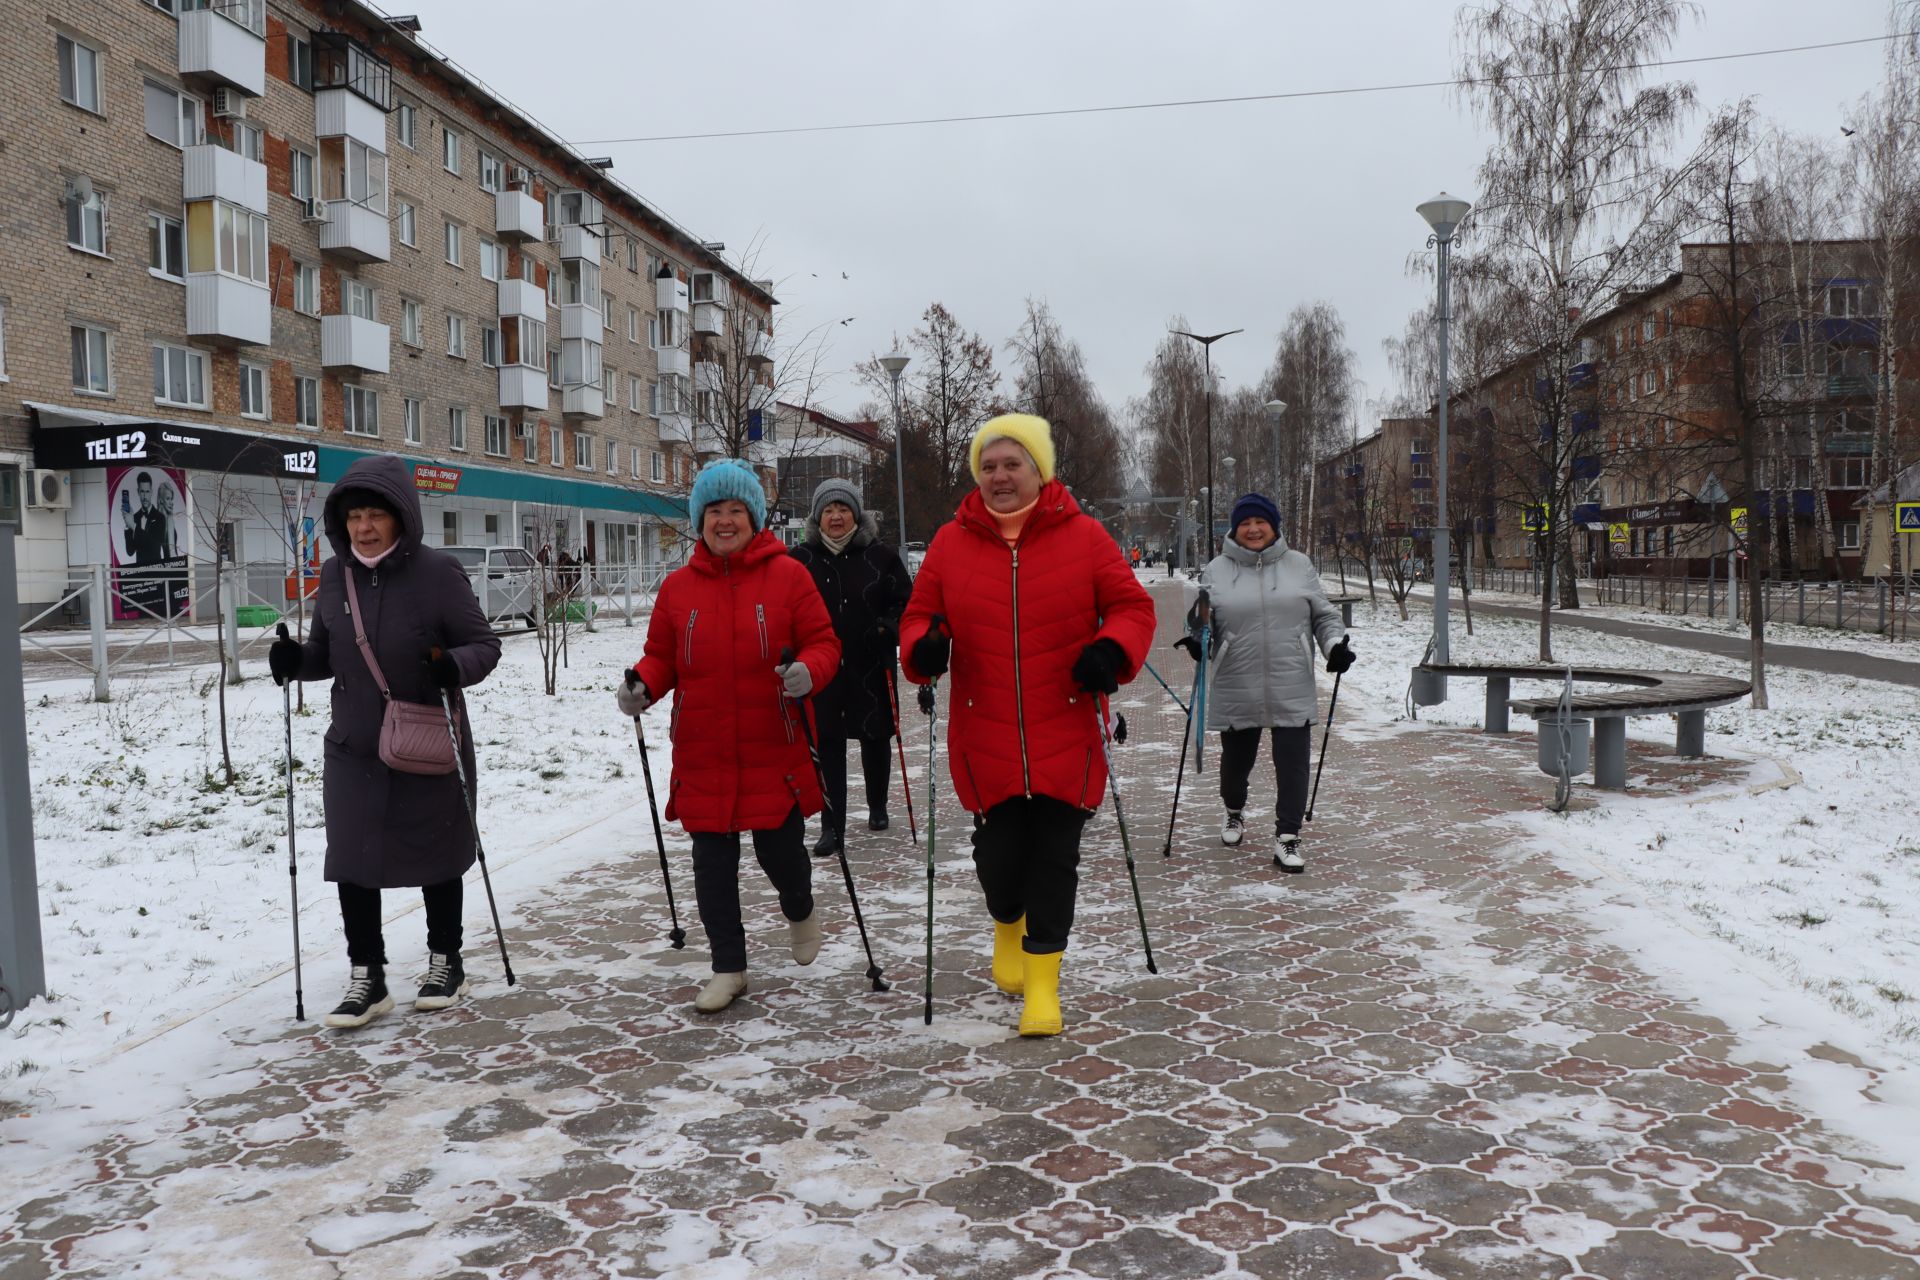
{"x":503,"y":581}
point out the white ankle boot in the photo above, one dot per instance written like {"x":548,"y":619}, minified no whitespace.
{"x":1232,"y":827}
{"x":720,"y":991}
{"x":1286,"y":854}
{"x":804,"y":937}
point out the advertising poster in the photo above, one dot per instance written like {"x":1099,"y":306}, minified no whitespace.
{"x":303,"y":541}
{"x":147,"y":529}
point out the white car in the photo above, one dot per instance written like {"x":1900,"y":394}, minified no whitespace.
{"x":503,"y":581}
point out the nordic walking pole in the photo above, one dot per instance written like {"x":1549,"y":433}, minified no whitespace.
{"x":1164,"y":685}
{"x":1325,"y":733}
{"x":929,"y":701}
{"x":1186,"y":740}
{"x":900,"y":741}
{"x":293,"y":863}
{"x":676,"y":935}
{"x":1113,"y":789}
{"x":846,"y":872}
{"x":473,"y":821}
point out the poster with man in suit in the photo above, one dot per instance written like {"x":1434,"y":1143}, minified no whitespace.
{"x":149,"y":544}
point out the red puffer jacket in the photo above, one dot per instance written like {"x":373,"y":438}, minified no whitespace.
{"x":740,"y":758}
{"x":1019,"y":617}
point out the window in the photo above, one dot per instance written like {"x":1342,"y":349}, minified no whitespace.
{"x":613,"y":457}
{"x":496,"y":436}
{"x":179,"y":376}
{"x":490,"y":346}
{"x":250,"y":140}
{"x":3,"y":351}
{"x":306,"y":288}
{"x":253,"y":391}
{"x":607,"y":318}
{"x":1646,"y":329}
{"x":302,"y":166}
{"x":1847,"y":534}
{"x":633,"y":326}
{"x":608,"y":379}
{"x":92,"y":363}
{"x":450,"y":151}
{"x":490,"y":172}
{"x":357,"y":298}
{"x":457,"y":429}
{"x":582,"y":451}
{"x":351,"y":170}
{"x":1667,"y":429}
{"x":410,"y":420}
{"x":633,"y":255}
{"x":449,"y":528}
{"x":579,"y":283}
{"x":670,"y":334}
{"x":553,"y":368}
{"x":653,"y":398}
{"x":164,"y":6}
{"x":453,"y":244}
{"x":658,"y":473}
{"x":410,"y":322}
{"x":1847,"y":471}
{"x":553,"y":288}
{"x":457,"y":337}
{"x":1648,"y":383}
{"x":554,"y":442}
{"x":653,"y":331}
{"x":228,"y":239}
{"x":633,"y":392}
{"x":306,"y":402}
{"x":362,"y":406}
{"x":166,"y":246}
{"x":407,"y":225}
{"x":79,"y":73}
{"x":87,"y":223}
{"x":1843,"y":300}
{"x":300,"y":62}
{"x":403,"y":125}
{"x":172,"y":116}
{"x":523,"y":342}
{"x":493,"y":260}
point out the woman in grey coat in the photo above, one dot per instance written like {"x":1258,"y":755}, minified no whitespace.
{"x":387,"y":829}
{"x":1266,"y":607}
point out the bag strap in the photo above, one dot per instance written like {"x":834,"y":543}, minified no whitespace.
{"x":360,"y":634}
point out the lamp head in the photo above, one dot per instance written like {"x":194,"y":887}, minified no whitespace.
{"x":1274,"y":409}
{"x":894,"y":362}
{"x":1444,"y":213}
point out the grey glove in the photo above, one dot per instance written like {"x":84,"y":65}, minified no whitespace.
{"x":633,"y":698}
{"x":795,"y":679}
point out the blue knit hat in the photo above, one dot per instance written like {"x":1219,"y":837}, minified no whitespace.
{"x":1254,"y":504}
{"x":726,"y":478}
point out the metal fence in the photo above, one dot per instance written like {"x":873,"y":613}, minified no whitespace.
{"x":1878,"y":606}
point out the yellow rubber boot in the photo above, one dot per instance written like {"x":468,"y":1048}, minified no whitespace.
{"x":1040,"y":1015}
{"x":1009,"y":962}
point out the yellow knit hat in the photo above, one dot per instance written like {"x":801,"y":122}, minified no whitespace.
{"x":1024,"y":429}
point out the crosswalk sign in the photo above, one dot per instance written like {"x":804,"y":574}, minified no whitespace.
{"x":1617,"y":533}
{"x":1533,"y":519}
{"x":1906,"y":517}
{"x":1737,"y":517}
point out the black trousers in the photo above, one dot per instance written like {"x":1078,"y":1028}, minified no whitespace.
{"x":1026,"y":852}
{"x":782,"y":852}
{"x":1292,"y":756}
{"x":360,"y":913}
{"x":876,"y":762}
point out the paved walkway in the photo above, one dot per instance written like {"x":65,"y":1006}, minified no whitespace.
{"x":1415,"y":1060}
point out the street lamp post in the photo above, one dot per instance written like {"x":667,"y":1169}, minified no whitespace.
{"x":895,"y":362}
{"x":1275,"y":408}
{"x":1443,"y":213}
{"x":1206,"y":341}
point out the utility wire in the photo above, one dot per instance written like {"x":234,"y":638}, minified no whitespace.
{"x":1213,"y":102}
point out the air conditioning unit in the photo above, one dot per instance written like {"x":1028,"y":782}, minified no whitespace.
{"x":526,"y":431}
{"x":314,"y":209}
{"x":517,"y":178}
{"x":229,"y":104}
{"x":49,"y":490}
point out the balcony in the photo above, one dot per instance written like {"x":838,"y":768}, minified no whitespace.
{"x":576,"y":241}
{"x":523,"y":298}
{"x":210,"y":172}
{"x":708,"y":376}
{"x":709,"y":318}
{"x":583,"y":402}
{"x":523,"y":387}
{"x":516,"y":216}
{"x":228,"y":309}
{"x":229,"y":50}
{"x":578,"y":320}
{"x":676,"y":428}
{"x":1844,"y":386}
{"x":760,"y":349}
{"x":356,"y":233}
{"x":343,"y":113}
{"x":352,"y":342}
{"x":669,"y":294}
{"x":673,"y":360}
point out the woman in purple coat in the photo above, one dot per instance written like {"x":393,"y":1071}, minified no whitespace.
{"x":387,"y":829}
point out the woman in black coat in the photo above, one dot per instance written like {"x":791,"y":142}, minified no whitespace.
{"x":866,"y":588}
{"x":386,"y":828}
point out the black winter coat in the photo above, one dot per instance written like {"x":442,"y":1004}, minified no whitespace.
{"x":866,"y":589}
{"x":387,"y":829}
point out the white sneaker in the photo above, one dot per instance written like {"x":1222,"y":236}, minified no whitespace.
{"x":720,"y":991}
{"x":1286,"y":854}
{"x":1232,"y":828}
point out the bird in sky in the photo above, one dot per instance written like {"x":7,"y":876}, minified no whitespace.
{"x":849,"y":320}
{"x":1848,"y":132}
{"x":843,"y":275}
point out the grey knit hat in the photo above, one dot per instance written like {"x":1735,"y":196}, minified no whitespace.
{"x":838,"y":491}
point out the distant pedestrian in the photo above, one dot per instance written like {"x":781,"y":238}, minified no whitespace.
{"x":865,"y":588}
{"x":391,"y":828}
{"x":1030,"y":604}
{"x":740,"y":761}
{"x":1267,"y":610}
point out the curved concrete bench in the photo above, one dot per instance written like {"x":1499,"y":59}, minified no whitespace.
{"x":1685,"y":695}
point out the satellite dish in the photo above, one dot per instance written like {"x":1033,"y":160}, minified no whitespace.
{"x":80,"y":188}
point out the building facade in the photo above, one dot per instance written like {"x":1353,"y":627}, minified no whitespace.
{"x":257,"y":239}
{"x":811,"y":445}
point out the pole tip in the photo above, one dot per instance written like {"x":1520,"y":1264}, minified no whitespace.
{"x":1152,"y":967}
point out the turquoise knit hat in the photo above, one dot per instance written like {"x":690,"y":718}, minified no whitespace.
{"x":726,"y":478}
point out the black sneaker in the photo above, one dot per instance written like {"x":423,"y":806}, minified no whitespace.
{"x":829,"y":844}
{"x":877,"y":820}
{"x":446,"y":982}
{"x":366,"y":998}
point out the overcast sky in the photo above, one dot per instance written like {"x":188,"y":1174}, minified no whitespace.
{"x":1230,"y":214}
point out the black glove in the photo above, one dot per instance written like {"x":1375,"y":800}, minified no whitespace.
{"x":442,"y":671}
{"x":1189,"y":646}
{"x":1098,"y":668}
{"x":932,"y":651}
{"x":926,"y":699}
{"x":1340,"y":657}
{"x":283,"y":657}
{"x":886,"y":635}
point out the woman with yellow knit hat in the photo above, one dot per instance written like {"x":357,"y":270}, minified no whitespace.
{"x":1031,"y":607}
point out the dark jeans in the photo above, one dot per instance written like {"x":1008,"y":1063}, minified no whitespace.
{"x":876,"y":762}
{"x":360,"y":913}
{"x":1292,"y":753}
{"x":1027,"y":854}
{"x":782,"y":852}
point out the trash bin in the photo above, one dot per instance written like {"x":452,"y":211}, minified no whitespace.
{"x":255,"y":615}
{"x":1578,"y":741}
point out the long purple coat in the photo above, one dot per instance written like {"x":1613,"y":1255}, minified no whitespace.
{"x":388,"y":829}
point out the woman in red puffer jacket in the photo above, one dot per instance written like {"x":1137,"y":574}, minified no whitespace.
{"x":1035,"y":609}
{"x":740,"y":760}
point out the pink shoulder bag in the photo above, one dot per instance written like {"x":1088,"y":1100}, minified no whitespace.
{"x":414,"y":737}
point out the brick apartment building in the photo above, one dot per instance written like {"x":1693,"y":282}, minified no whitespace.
{"x":254,"y":240}
{"x":813,"y":445}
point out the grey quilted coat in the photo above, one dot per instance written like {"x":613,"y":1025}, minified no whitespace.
{"x":1268,"y":610}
